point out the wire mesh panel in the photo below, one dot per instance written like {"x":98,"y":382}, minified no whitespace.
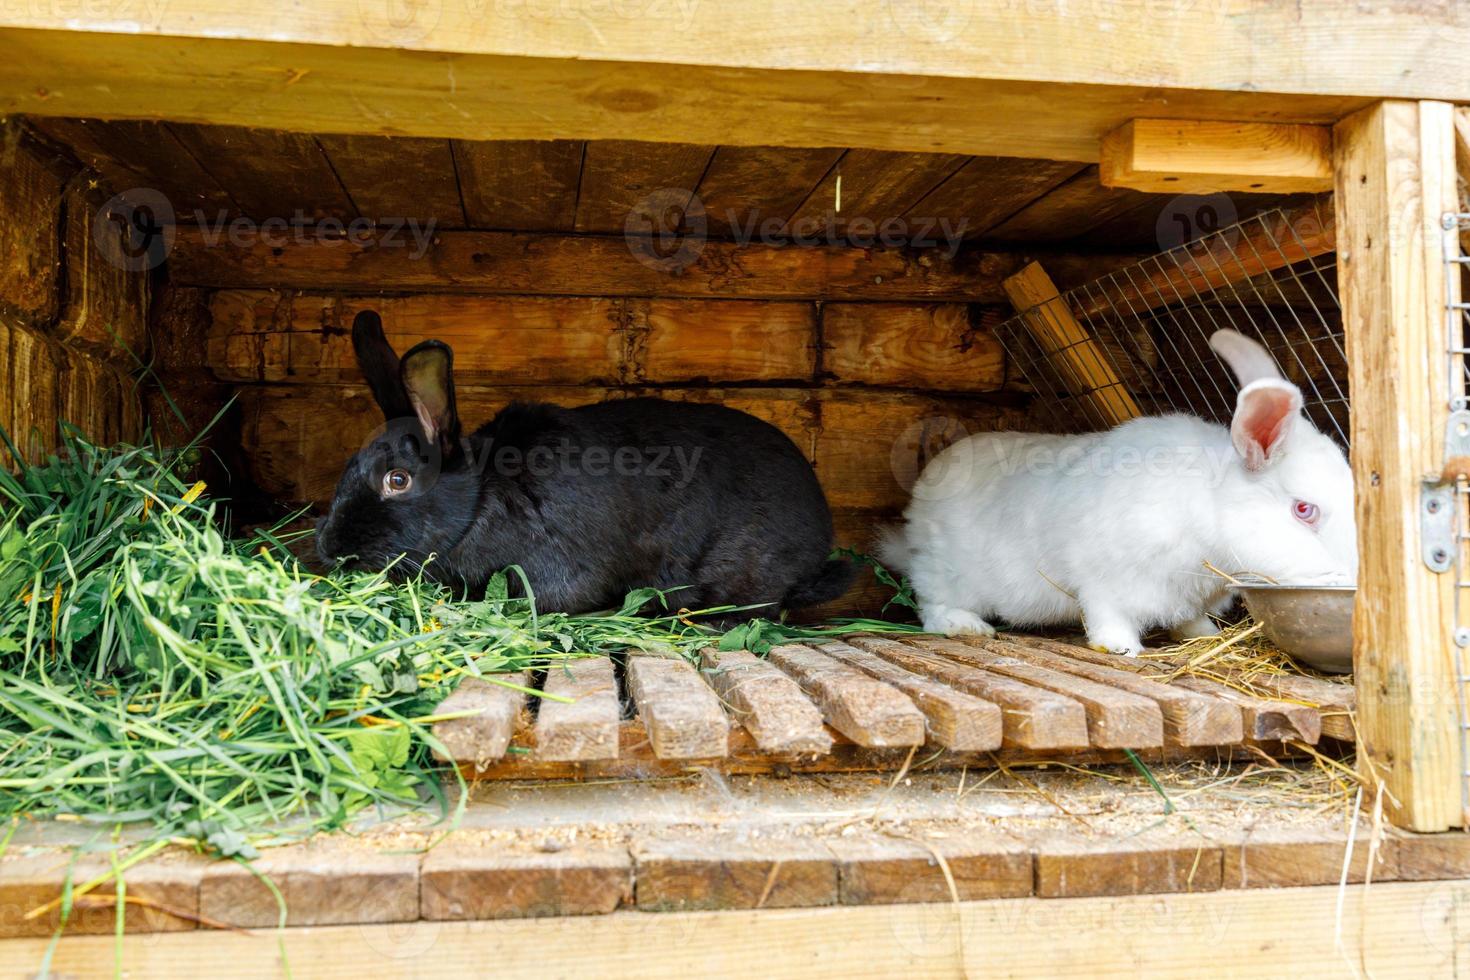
{"x":1136,"y":341}
{"x":1457,"y":464}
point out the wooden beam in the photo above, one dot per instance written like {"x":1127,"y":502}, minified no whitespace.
{"x":1084,"y":364}
{"x":508,"y":263}
{"x":1407,"y":929}
{"x":1179,"y":156}
{"x":1395,"y":165}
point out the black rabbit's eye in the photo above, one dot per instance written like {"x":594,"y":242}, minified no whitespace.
{"x":396,"y":482}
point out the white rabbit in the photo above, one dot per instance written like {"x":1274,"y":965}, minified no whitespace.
{"x":1114,"y":528}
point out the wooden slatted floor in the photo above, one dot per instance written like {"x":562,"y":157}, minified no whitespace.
{"x":880,"y":703}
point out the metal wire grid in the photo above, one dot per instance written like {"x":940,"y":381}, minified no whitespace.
{"x":1147,"y":329}
{"x":1457,"y":346}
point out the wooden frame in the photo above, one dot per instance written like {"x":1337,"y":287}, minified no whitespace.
{"x":888,"y":75}
{"x":749,"y":71}
{"x":1396,"y":179}
{"x":1408,"y":929}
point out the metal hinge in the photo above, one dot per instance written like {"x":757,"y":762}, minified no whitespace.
{"x":1437,"y":495}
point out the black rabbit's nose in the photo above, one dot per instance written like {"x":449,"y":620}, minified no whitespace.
{"x":324,"y":544}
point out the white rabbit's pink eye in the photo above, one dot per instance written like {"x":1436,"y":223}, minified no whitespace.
{"x":396,"y":482}
{"x":1308,"y":513}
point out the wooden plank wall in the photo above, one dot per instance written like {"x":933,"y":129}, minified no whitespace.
{"x":68,"y":318}
{"x":868,"y":391}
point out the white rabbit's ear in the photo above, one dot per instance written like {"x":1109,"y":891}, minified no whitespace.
{"x":1249,"y":360}
{"x":1266,"y":411}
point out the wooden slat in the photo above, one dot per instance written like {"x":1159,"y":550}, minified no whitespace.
{"x":988,"y":190}
{"x":257,"y":335}
{"x":1068,"y":211}
{"x":956,"y":720}
{"x":1075,"y":868}
{"x":391,"y":178}
{"x":877,"y":186}
{"x":586,"y":728}
{"x":1085,"y":366}
{"x":1189,"y":719}
{"x":1264,"y":720}
{"x":460,"y":882}
{"x":930,"y":346}
{"x":1032,"y":718}
{"x":619,"y":176}
{"x":1116,"y":719}
{"x":481,"y":738}
{"x":746,"y":187}
{"x":1331,"y":703}
{"x":519,"y":184}
{"x":868,"y":711}
{"x":1178,"y":156}
{"x":683,"y":716}
{"x":269,"y":173}
{"x":769,"y":704}
{"x":502,"y":263}
{"x":732,"y":873}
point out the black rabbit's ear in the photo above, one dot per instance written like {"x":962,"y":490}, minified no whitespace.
{"x":379,"y":365}
{"x":427,"y":374}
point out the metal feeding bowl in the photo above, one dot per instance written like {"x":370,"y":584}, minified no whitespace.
{"x":1313,"y":623}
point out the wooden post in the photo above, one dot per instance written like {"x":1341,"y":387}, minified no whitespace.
{"x":1395,"y":179}
{"x":1067,"y":344}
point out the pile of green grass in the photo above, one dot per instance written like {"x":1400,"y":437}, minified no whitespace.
{"x":156,"y":671}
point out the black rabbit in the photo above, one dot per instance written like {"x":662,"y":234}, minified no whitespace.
{"x":590,"y":502}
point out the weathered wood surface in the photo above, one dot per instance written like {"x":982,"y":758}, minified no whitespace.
{"x":505,"y":263}
{"x":525,"y":184}
{"x":521,"y":340}
{"x":481,"y":737}
{"x":586,"y":726}
{"x":766,"y":702}
{"x":683,"y":716}
{"x":934,"y":346}
{"x":1115,"y":718}
{"x":866,"y":710}
{"x":957,"y":721}
{"x":1264,"y":720}
{"x":1033,"y":719}
{"x":1189,"y":717}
